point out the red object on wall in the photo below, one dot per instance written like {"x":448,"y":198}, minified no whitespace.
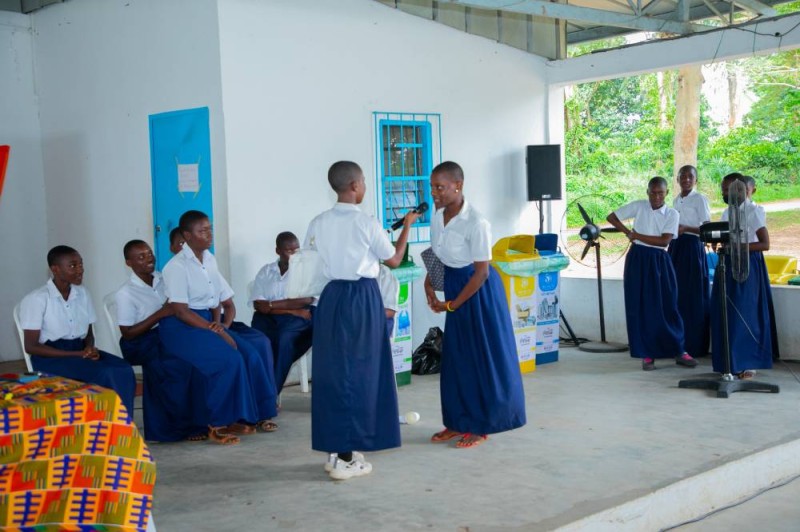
{"x":4,"y":150}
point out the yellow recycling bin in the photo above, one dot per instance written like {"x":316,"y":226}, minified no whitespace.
{"x":520,"y":294}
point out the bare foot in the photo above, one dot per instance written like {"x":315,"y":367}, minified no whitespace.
{"x":218,"y":435}
{"x":240,"y":428}
{"x":444,"y":435}
{"x":471,"y":440}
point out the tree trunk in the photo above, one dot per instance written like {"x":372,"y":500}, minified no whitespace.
{"x":687,"y":116}
{"x":662,"y":101}
{"x":733,"y":110}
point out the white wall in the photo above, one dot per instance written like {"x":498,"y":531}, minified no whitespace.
{"x":300,"y":81}
{"x":22,"y":213}
{"x":103,"y":66}
{"x":579,"y":304}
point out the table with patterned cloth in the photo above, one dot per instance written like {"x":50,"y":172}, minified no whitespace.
{"x":71,"y":459}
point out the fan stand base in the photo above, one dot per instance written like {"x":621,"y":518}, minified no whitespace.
{"x":726,"y":385}
{"x":603,"y":347}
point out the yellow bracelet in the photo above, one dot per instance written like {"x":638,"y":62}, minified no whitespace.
{"x":447,"y":306}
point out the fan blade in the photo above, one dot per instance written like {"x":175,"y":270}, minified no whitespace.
{"x":609,"y":230}
{"x":583,"y":213}
{"x":586,"y":249}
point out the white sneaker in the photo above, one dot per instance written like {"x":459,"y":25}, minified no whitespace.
{"x":344,"y":470}
{"x":357,"y":457}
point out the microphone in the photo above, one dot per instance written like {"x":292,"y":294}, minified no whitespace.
{"x":420,"y":209}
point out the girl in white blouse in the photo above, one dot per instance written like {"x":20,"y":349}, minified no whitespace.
{"x":481,"y":385}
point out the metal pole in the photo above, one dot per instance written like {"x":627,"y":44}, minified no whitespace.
{"x":600,"y":294}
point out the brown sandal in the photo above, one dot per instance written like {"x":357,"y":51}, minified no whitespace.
{"x":266,"y":425}
{"x":444,"y":435}
{"x":218,"y":435}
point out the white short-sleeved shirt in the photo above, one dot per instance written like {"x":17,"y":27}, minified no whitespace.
{"x":756,"y":218}
{"x":270,"y":285}
{"x":649,"y":221}
{"x":466,"y":238}
{"x":46,"y":311}
{"x":137,"y":301}
{"x":350,"y":242}
{"x":197,"y":284}
{"x":390,"y":288}
{"x":693,"y":209}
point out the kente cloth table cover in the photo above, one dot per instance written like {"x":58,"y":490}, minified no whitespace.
{"x":71,"y":459}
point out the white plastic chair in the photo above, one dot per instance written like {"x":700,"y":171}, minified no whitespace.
{"x":110,"y":311}
{"x":301,"y":364}
{"x":21,"y":333}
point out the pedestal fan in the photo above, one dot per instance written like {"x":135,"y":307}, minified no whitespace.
{"x":731,"y":239}
{"x":579,"y":234}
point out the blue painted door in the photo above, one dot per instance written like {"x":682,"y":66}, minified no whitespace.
{"x":180,"y":160}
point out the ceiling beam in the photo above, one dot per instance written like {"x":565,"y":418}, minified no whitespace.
{"x":545,"y":9}
{"x":701,"y":11}
{"x":752,"y":38}
{"x":756,"y":7}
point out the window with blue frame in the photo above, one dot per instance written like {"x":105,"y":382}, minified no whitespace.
{"x":408,"y":147}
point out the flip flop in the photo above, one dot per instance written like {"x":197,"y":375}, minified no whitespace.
{"x":197,"y":437}
{"x":444,"y":435}
{"x":471,"y":440}
{"x":265,"y":425}
{"x":747,"y":374}
{"x":218,"y":435}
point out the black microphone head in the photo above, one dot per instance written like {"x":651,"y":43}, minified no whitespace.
{"x":422,"y":207}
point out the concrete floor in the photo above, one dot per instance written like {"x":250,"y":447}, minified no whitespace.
{"x":776,"y":510}
{"x":600,"y":432}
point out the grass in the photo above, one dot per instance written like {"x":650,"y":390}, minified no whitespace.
{"x":781,"y":220}
{"x":763,"y":194}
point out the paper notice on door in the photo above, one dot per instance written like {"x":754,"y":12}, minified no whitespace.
{"x":188,"y":178}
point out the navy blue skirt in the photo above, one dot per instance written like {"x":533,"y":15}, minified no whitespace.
{"x":655,"y":328}
{"x":390,"y":328}
{"x":167,"y":395}
{"x":223,"y":388}
{"x":290,"y":337}
{"x":354,"y":402}
{"x":108,"y":371}
{"x":688,"y":255}
{"x":257,"y":353}
{"x":749,"y":321}
{"x":481,"y":385}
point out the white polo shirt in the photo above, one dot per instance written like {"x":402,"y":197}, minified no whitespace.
{"x":693,"y":210}
{"x":350,"y":242}
{"x":137,"y":301}
{"x":756,"y":218}
{"x":197,"y":284}
{"x":270,"y":285}
{"x":467,"y":238}
{"x":649,"y":221}
{"x":45,"y":310}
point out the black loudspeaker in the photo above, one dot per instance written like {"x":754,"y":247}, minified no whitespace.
{"x":544,"y":172}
